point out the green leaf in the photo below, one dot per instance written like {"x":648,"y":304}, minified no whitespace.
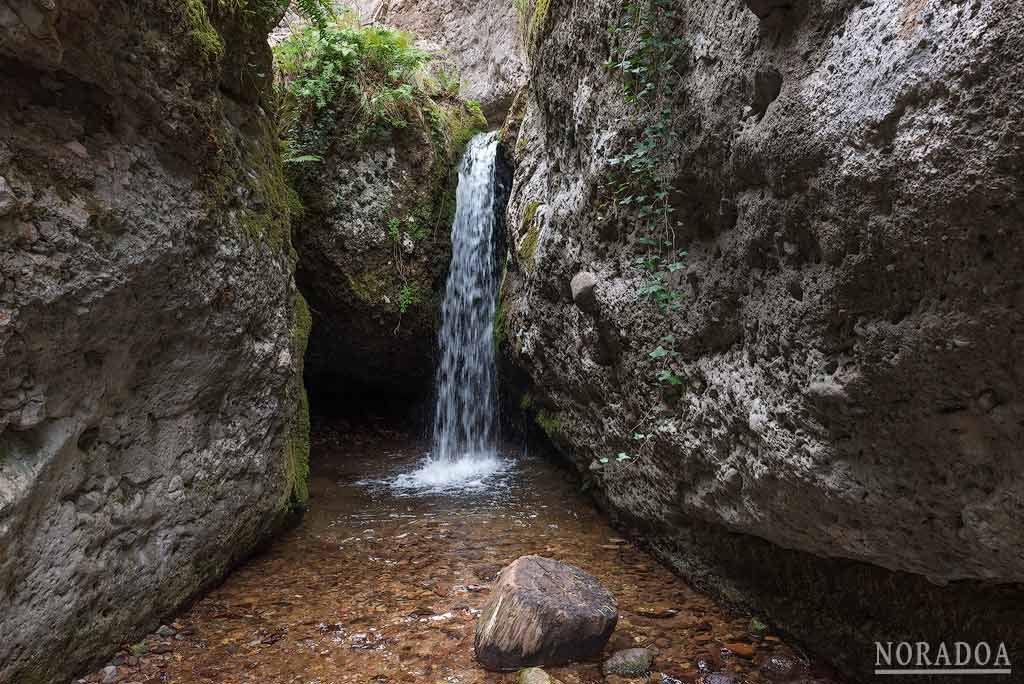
{"x":659,"y":353}
{"x":669,"y":377}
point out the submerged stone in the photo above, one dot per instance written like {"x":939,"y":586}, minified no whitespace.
{"x":543,"y":612}
{"x":534,"y":675}
{"x":631,"y":662}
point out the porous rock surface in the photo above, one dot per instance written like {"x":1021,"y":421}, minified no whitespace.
{"x":543,"y":613}
{"x":374,"y":244}
{"x":481,"y":36}
{"x":151,"y":424}
{"x":850,"y":342}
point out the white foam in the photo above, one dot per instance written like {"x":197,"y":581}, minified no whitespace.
{"x":435,"y":475}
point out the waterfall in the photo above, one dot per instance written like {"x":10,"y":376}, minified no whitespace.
{"x":466,"y":392}
{"x":465,"y":415}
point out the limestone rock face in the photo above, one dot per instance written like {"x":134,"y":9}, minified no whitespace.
{"x":481,"y":36}
{"x":151,"y":335}
{"x":848,"y":351}
{"x":374,"y":244}
{"x":543,"y":613}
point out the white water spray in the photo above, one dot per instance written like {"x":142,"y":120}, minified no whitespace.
{"x":465,"y":416}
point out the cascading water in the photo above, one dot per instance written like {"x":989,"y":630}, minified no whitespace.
{"x":463,"y":449}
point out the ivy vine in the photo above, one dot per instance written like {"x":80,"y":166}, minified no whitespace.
{"x":648,"y":58}
{"x":648,"y":55}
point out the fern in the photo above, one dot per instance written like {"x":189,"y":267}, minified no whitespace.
{"x":317,"y":11}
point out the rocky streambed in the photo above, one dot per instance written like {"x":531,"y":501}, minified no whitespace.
{"x":385,"y":585}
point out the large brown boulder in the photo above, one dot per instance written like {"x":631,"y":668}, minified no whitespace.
{"x":542,"y":613}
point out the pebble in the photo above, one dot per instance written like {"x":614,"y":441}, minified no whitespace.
{"x":718,"y":678}
{"x":534,"y":675}
{"x":165,"y":632}
{"x":778,"y":667}
{"x":742,"y":650}
{"x":108,"y":674}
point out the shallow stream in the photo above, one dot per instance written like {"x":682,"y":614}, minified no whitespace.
{"x":382,"y":584}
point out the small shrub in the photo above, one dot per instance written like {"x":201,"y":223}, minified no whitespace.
{"x":408,"y":297}
{"x":345,"y":80}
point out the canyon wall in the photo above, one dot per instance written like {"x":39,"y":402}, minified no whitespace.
{"x":152,"y":421}
{"x":823,"y":417}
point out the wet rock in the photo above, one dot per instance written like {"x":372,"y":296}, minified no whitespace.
{"x":718,"y":678}
{"x":632,"y":662}
{"x":741,"y":649}
{"x":534,"y":675}
{"x":583,"y":286}
{"x":487,"y":573}
{"x":778,"y":667}
{"x":543,"y":612}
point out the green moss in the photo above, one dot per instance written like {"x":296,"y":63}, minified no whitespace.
{"x":526,"y":402}
{"x":302,"y":326}
{"x":296,"y":454}
{"x":278,"y":200}
{"x":540,"y":17}
{"x":533,"y":15}
{"x":549,"y":424}
{"x":499,"y":326}
{"x":528,"y":247}
{"x":452,"y":127}
{"x":521,"y":144}
{"x":202,"y":32}
{"x":367,"y":286}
